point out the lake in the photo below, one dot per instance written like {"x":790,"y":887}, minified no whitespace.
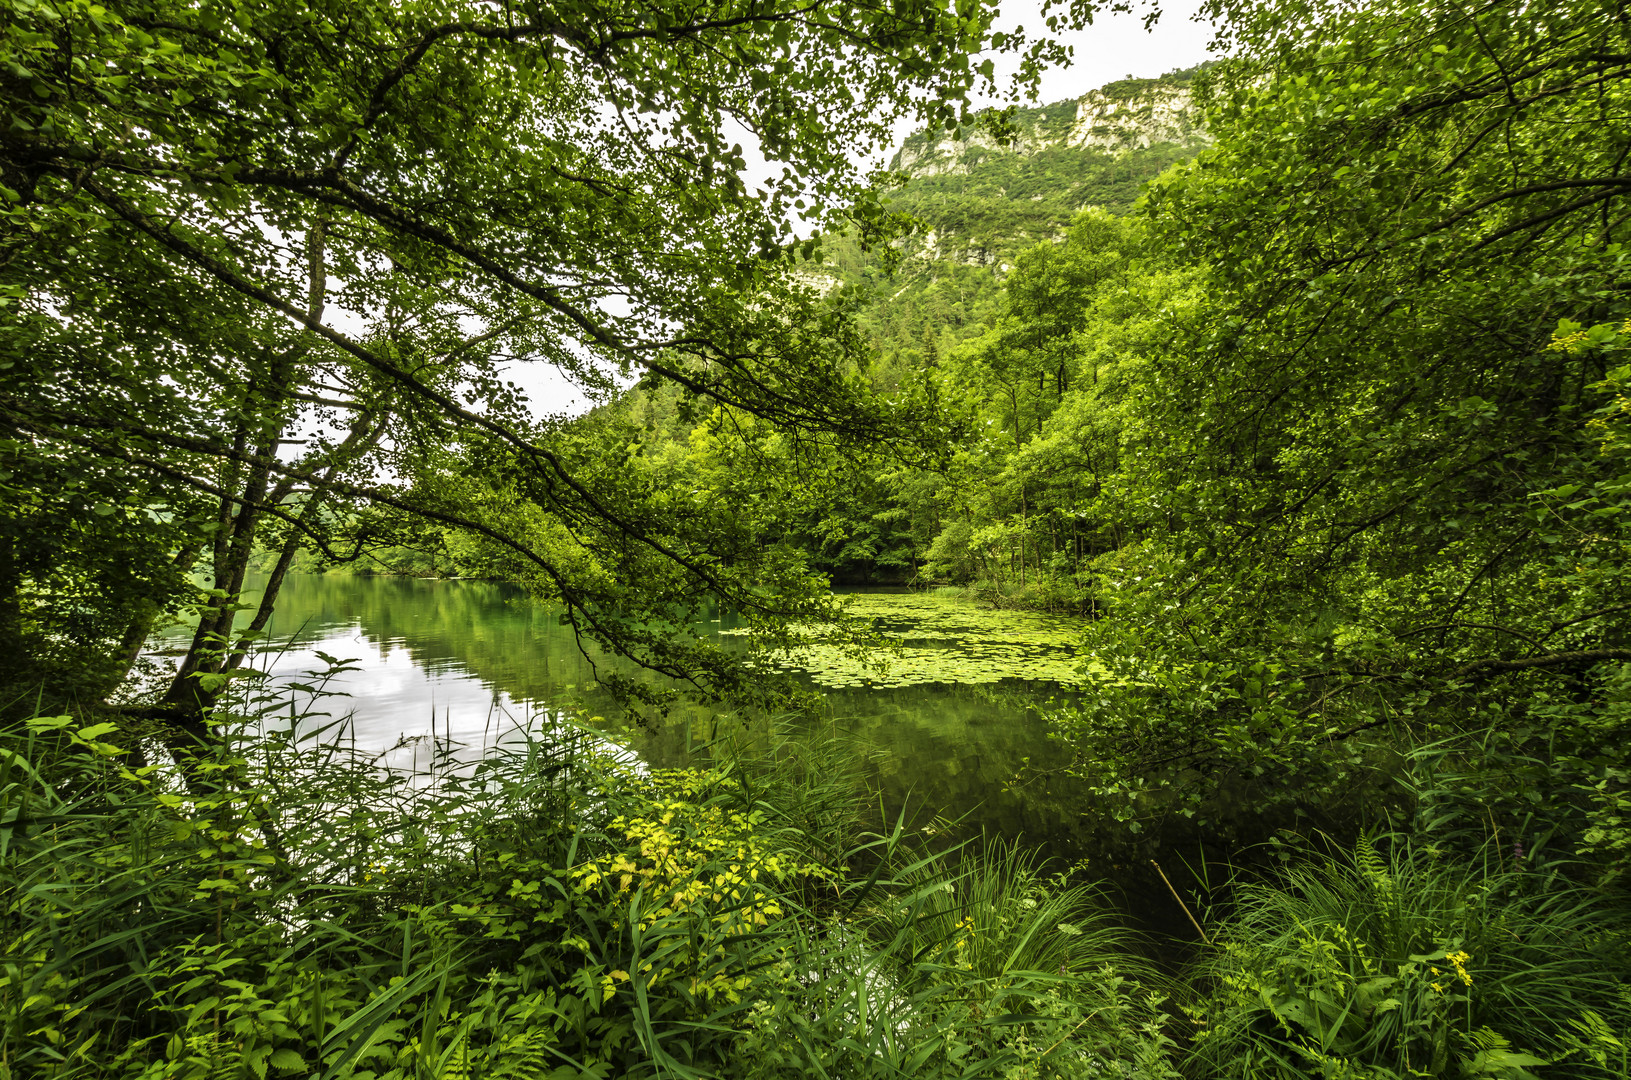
{"x":468,"y":662}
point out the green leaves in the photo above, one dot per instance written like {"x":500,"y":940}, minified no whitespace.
{"x":1372,"y":494}
{"x":199,"y":189}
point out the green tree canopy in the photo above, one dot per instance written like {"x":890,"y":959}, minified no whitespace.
{"x":1370,"y":477}
{"x":254,"y":254}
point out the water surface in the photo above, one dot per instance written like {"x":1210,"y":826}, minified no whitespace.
{"x":470,"y":663}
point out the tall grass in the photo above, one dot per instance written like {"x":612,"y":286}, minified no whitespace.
{"x":985,"y":923}
{"x":1408,"y":964}
{"x":547,"y":911}
{"x":991,"y":912}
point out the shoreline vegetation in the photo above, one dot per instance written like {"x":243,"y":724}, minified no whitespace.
{"x":547,"y":908}
{"x":287,"y":908}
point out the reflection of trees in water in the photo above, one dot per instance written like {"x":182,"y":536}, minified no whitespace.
{"x":492,"y":630}
{"x":956,"y":750}
{"x":941,"y":748}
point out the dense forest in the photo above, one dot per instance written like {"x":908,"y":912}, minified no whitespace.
{"x":1296,"y":379}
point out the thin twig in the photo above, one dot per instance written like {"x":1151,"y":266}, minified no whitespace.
{"x":1192,"y":920}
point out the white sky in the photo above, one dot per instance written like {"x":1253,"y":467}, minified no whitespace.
{"x":1114,"y":47}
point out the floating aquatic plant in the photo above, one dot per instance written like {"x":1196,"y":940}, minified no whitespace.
{"x":940,"y":639}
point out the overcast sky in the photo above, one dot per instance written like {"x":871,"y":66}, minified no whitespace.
{"x":1114,"y":47}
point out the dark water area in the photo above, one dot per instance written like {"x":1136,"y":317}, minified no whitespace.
{"x":473,"y":663}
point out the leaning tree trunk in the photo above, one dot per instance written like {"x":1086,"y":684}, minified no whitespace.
{"x":267,"y":408}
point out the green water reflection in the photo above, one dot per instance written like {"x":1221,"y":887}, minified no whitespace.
{"x":467,"y":661}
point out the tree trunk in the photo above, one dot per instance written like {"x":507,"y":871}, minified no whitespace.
{"x":267,"y":409}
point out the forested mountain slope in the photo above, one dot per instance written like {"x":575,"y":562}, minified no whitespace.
{"x":981,"y":198}
{"x":977,"y":201}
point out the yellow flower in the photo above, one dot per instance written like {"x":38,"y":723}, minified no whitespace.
{"x":1564,"y":343}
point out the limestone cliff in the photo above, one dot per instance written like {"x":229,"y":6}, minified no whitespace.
{"x":1158,"y":114}
{"x":1133,"y":114}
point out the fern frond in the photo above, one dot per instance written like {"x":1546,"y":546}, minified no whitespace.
{"x":1367,"y":859}
{"x":525,"y":1055}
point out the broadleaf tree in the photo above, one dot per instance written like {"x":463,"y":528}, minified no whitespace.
{"x":263,"y":265}
{"x":1373,"y":480}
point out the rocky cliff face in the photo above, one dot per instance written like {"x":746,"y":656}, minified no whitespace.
{"x":920,"y":158}
{"x":1131,"y":115}
{"x":1160,"y":114}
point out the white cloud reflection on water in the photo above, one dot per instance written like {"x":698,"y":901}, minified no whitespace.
{"x":402,"y":711}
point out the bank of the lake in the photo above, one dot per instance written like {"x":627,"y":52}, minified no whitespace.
{"x":950,"y":724}
{"x":947,"y":722}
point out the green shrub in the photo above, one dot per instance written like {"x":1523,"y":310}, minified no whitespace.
{"x":289,"y":909}
{"x":1414,"y":965}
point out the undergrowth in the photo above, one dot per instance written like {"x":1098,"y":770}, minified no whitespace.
{"x":285,"y":908}
{"x":1407,"y":963}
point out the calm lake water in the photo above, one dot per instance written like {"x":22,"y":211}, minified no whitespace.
{"x":471,"y":662}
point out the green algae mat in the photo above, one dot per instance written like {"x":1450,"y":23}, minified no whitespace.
{"x":942,"y":639}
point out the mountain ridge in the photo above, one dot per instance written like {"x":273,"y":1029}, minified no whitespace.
{"x":985,"y":193}
{"x":1131,"y":114}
